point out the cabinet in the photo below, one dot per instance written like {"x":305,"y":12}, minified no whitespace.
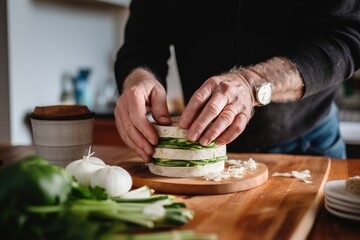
{"x":105,"y":132}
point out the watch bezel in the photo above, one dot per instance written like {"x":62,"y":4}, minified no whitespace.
{"x":265,"y":85}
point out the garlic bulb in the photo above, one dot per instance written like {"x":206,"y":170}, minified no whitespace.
{"x":114,"y":179}
{"x":83,"y":169}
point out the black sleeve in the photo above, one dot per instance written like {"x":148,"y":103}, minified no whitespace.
{"x":330,"y":52}
{"x":147,"y":40}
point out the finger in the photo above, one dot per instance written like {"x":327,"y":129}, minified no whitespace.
{"x":222,"y":122}
{"x":159,"y":109}
{"x":125,"y":137}
{"x":234,"y":130}
{"x":138,"y":119}
{"x":212,"y":109}
{"x":128,"y":128}
{"x":137,"y":132}
{"x":196,"y":104}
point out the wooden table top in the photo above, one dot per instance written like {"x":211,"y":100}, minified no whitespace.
{"x":326,"y":226}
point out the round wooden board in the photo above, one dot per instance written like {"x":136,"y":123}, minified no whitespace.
{"x":142,"y":176}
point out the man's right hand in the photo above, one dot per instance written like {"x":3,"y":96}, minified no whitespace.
{"x":141,"y":93}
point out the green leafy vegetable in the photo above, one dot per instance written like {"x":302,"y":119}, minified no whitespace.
{"x":34,"y":181}
{"x":41,"y":201}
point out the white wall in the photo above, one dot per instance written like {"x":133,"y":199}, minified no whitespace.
{"x":50,"y":38}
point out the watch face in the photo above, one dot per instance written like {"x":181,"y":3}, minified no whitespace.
{"x":264,"y":93}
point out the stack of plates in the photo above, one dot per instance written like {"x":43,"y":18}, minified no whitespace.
{"x":340,"y":202}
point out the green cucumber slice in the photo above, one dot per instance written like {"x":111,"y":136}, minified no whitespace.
{"x":186,"y":163}
{"x":183,"y":143}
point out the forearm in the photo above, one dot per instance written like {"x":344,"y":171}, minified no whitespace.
{"x":286,"y":81}
{"x":146,"y":43}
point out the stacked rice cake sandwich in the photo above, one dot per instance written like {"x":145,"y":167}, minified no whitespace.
{"x":175,"y":156}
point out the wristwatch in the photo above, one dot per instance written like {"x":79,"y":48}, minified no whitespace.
{"x":263,"y":94}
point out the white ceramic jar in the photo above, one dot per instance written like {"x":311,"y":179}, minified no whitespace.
{"x":61,"y":139}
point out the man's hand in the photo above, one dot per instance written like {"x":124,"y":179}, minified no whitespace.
{"x":220,"y":109}
{"x":141,"y":93}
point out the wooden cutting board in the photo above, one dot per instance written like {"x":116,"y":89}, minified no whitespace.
{"x":281,"y":208}
{"x":198,"y":185}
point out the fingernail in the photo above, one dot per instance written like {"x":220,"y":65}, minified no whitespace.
{"x":205,"y":141}
{"x":219,"y":142}
{"x":193,"y":136}
{"x":183,"y":124}
{"x":165,"y":120}
{"x":148,"y":150}
{"x":153,"y":141}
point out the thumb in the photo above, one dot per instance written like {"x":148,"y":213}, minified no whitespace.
{"x":159,"y":109}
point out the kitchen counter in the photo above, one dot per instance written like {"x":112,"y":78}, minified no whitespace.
{"x":233,"y":216}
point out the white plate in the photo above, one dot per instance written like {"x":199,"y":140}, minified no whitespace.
{"x":341,"y":214}
{"x":342,"y":203}
{"x":340,"y":207}
{"x":336,"y":189}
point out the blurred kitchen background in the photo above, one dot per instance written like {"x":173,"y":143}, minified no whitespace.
{"x":48,"y":45}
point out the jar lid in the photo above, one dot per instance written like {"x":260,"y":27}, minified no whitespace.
{"x":62,"y":112}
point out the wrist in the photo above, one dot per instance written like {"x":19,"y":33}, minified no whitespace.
{"x":285,"y":79}
{"x":254,"y":83}
{"x":287,"y":83}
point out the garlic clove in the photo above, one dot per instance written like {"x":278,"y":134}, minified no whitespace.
{"x":95,"y":160}
{"x":114,"y":179}
{"x":83,"y":169}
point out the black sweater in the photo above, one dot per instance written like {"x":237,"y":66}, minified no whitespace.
{"x":322,"y":37}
